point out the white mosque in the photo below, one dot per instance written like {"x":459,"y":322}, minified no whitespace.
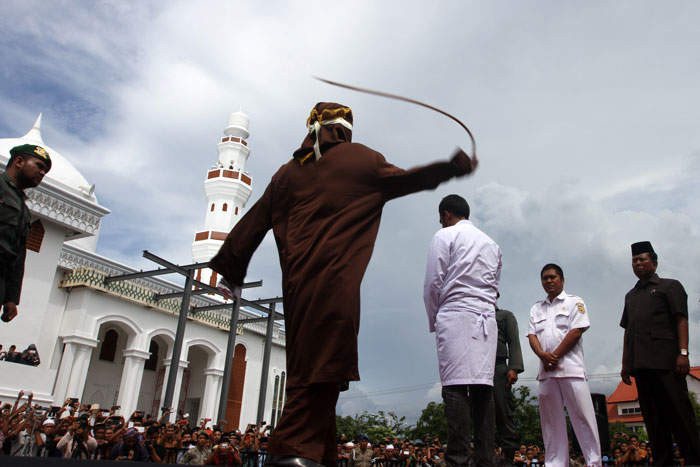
{"x":112,"y":343}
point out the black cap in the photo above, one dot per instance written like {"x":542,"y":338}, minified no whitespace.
{"x":31,"y":150}
{"x":642,"y":247}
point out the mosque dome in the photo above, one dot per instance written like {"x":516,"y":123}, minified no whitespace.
{"x":62,"y":173}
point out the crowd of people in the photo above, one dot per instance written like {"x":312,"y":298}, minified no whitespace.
{"x":86,"y":431}
{"x":630,"y":450}
{"x":624,"y":451}
{"x":29,"y":356}
{"x":77,"y":430}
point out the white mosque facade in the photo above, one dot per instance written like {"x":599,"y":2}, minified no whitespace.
{"x":112,"y":343}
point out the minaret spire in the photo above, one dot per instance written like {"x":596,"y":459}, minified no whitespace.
{"x":34,"y":133}
{"x":228,"y":188}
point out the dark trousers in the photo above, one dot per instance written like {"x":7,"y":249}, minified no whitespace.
{"x":307,"y":425}
{"x":505,"y":407}
{"x":663,"y":398}
{"x":461,"y":401}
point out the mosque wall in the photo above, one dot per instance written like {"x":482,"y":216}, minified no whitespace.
{"x":70,"y":326}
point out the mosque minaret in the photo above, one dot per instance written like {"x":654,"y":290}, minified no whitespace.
{"x":228,"y":188}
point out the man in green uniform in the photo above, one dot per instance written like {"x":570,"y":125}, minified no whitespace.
{"x":509,"y":362}
{"x":26,"y":169}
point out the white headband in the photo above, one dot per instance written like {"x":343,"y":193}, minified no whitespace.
{"x":316,"y":127}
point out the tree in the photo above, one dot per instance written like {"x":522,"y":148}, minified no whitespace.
{"x":527,"y":416}
{"x":431,"y":423}
{"x":696,"y":407}
{"x":619,"y":427}
{"x":376,"y":426}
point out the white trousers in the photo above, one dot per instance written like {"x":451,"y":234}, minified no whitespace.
{"x":554,"y":393}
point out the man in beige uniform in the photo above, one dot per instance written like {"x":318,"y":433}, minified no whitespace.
{"x":361,"y":456}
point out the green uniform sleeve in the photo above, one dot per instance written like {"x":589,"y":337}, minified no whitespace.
{"x":515,"y":354}
{"x":13,"y":280}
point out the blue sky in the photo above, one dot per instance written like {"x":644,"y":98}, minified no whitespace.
{"x":586,"y":116}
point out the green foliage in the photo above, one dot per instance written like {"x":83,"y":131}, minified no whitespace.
{"x":696,"y":407}
{"x":619,"y":427}
{"x":527,"y":416}
{"x":431,"y":423}
{"x":376,"y":426}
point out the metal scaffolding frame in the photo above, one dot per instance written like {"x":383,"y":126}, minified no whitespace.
{"x":202,"y":288}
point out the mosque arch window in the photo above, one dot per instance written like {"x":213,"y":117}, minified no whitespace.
{"x":212,"y":207}
{"x":108,"y":349}
{"x":279,"y":398}
{"x":225,"y":207}
{"x":273,"y":422}
{"x":35,"y":236}
{"x":236,"y":210}
{"x":152,"y":362}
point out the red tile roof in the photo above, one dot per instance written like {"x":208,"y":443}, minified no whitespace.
{"x":695,"y":372}
{"x":624,"y":393}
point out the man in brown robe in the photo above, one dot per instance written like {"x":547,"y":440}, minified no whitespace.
{"x":324,"y":207}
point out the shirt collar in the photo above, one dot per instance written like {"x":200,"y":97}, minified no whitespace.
{"x":561,"y":296}
{"x":654,"y":279}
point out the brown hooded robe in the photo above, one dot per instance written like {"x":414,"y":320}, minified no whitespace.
{"x":325,"y":216}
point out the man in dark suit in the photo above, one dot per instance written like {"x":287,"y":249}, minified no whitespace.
{"x":655,"y":352}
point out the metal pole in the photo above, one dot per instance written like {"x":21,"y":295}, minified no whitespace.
{"x":177,"y":348}
{"x":228,"y":363}
{"x":266,"y":363}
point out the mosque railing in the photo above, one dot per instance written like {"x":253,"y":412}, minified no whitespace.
{"x":138,"y":294}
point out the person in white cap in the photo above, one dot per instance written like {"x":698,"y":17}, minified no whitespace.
{"x":556,"y":326}
{"x":40,"y":437}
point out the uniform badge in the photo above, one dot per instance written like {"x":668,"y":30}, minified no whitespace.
{"x":581,"y":308}
{"x":41,"y":152}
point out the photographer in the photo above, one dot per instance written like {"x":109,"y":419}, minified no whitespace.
{"x":30,"y":356}
{"x":156,"y":451}
{"x":250,"y":446}
{"x":421,"y":459}
{"x":185,"y":445}
{"x":103,"y":445}
{"x":77,"y":442}
{"x":224,"y":454}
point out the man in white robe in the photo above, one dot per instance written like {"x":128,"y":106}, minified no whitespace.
{"x":461,"y":282}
